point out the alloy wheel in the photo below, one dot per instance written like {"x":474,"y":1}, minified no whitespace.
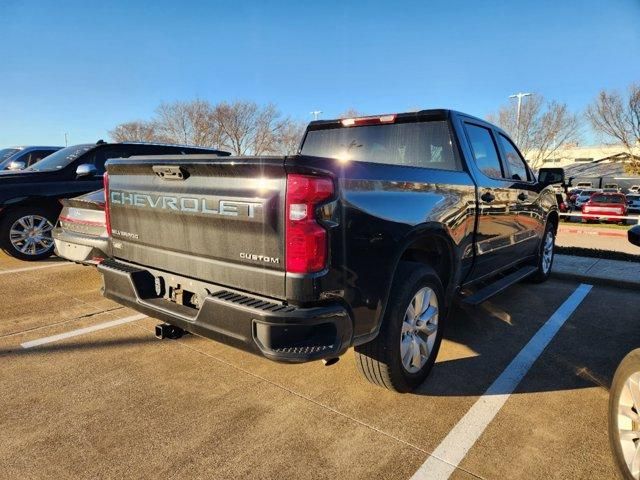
{"x":31,"y":235}
{"x":419,"y":329}
{"x":629,"y":423}
{"x":547,"y":252}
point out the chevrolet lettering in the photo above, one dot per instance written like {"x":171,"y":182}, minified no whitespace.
{"x":229,"y":208}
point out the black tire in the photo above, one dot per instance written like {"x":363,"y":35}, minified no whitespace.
{"x":543,"y":271}
{"x":379,"y":360}
{"x":11,"y":217}
{"x":629,"y":365}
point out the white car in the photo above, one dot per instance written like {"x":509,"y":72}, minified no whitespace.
{"x":584,"y":197}
{"x":634,"y":189}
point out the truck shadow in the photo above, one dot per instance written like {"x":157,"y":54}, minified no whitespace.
{"x":481,"y":341}
{"x":75,"y":346}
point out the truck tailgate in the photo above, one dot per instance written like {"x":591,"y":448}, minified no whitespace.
{"x":214,"y":219}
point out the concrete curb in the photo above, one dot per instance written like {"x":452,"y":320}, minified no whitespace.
{"x":595,"y":280}
{"x":597,"y":271}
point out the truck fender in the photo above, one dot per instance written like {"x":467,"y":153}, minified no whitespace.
{"x":418,"y":236}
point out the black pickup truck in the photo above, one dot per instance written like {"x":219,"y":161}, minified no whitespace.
{"x":29,"y":198}
{"x":363,"y":239}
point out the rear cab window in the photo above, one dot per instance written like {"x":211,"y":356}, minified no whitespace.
{"x":426,"y":144}
{"x":599,"y":198}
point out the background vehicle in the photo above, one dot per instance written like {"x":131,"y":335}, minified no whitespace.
{"x":29,"y":205}
{"x":573,"y":195}
{"x":17,"y":158}
{"x":584,"y":185}
{"x":624,"y":405}
{"x":563,"y":207}
{"x":611,"y":188}
{"x":608,"y":207}
{"x":362,"y":239}
{"x":584,"y":197}
{"x":634,"y":189}
{"x":81,"y":235}
{"x":633,"y":202}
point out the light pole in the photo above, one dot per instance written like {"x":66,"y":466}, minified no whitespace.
{"x":66,"y":139}
{"x":519,"y":96}
{"x":316,"y":114}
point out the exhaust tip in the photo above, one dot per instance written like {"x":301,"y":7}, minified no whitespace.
{"x":330,"y":361}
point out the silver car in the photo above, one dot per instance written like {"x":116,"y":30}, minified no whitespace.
{"x":584,"y":196}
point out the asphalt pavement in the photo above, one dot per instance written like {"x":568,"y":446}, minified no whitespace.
{"x":88,"y":392}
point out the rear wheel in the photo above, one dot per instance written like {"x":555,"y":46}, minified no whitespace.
{"x":25,"y":233}
{"x":402,"y":355}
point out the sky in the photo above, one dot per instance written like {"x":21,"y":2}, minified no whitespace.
{"x":83,"y":67}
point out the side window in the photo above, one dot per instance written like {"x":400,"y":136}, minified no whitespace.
{"x":101,"y":155}
{"x":484,"y":151}
{"x":38,"y":155}
{"x":516,"y":163}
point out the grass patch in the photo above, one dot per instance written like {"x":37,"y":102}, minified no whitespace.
{"x":595,"y":253}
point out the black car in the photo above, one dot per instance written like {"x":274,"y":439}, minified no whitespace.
{"x":18,"y":158}
{"x":30,"y":198}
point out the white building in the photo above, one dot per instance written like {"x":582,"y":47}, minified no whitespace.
{"x":577,"y":155}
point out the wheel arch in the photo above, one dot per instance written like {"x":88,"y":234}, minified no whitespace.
{"x":31,"y":201}
{"x":554,"y":216}
{"x":429,"y":244}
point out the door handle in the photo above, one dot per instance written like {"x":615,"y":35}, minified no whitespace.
{"x":523,"y":196}
{"x":488,"y":197}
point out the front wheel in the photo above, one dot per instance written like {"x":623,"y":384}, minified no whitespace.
{"x":25,"y":233}
{"x":624,"y":416}
{"x":545,"y":254}
{"x":403,"y":353}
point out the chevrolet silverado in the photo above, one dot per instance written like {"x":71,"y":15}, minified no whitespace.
{"x":364,"y":239}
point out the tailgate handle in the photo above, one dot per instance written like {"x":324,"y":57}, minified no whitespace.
{"x":170,"y":172}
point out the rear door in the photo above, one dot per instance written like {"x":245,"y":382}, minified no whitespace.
{"x":529,"y":212}
{"x":498,"y":231}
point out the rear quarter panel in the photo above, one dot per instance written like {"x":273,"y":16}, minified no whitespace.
{"x":379,"y":211}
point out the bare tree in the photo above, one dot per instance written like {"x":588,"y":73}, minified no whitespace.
{"x":290,"y":136}
{"x":618,"y":118}
{"x":351,"y":113}
{"x":249,"y":129}
{"x":190,"y":123}
{"x":543,"y":129}
{"x":243,"y":127}
{"x":137,"y":131}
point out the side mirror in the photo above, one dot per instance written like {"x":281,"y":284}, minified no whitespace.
{"x":16,"y":166}
{"x":551,"y":176}
{"x":86,"y":170}
{"x":634,"y":235}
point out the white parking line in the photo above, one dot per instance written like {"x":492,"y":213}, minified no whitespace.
{"x":444,"y":460}
{"x":37,"y":267}
{"x":81,"y":331}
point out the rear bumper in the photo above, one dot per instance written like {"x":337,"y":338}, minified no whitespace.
{"x":263,"y":326}
{"x":78,"y":247}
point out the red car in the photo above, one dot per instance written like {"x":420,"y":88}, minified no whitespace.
{"x":605,"y":206}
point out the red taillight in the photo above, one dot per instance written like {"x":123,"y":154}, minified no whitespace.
{"x":107,"y":213}
{"x":306,"y":240}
